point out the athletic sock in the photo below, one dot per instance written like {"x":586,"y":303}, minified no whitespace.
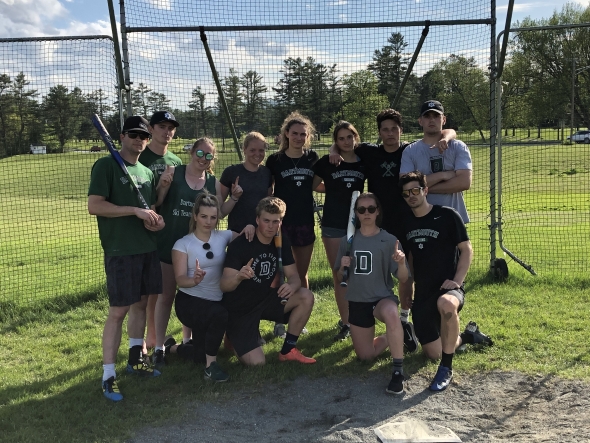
{"x":447,"y":360}
{"x":135,"y":342}
{"x":404,"y":315}
{"x":108,"y":371}
{"x":185,"y":340}
{"x":289,"y":343}
{"x":398,"y":365}
{"x":159,"y":348}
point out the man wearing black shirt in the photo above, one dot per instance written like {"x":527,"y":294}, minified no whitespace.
{"x":439,"y":253}
{"x":249,"y":270}
{"x":382,"y":165}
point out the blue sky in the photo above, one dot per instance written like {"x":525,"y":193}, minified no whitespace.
{"x":174,"y":63}
{"x":26,"y":18}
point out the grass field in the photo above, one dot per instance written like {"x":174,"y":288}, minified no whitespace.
{"x":49,"y":248}
{"x":53,"y":304}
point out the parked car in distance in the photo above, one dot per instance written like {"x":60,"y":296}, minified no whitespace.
{"x":187,"y":147}
{"x":95,"y":148}
{"x":580,"y":137}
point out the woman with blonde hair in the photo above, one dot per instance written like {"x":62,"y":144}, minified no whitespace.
{"x":177,"y":190}
{"x":197,"y":260}
{"x":254,"y":179}
{"x":292,"y":173}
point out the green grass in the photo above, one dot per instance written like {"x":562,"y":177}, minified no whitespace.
{"x":51,"y":370}
{"x":49,"y":246}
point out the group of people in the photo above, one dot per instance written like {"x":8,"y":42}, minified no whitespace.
{"x":410,"y":224}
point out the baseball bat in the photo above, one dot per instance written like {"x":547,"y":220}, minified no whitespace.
{"x":108,"y":141}
{"x":279,"y":245}
{"x":350,"y":230}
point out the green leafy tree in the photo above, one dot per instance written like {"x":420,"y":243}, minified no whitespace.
{"x":61,"y":110}
{"x":254,"y":100}
{"x":362,"y":102}
{"x":200,"y":112}
{"x":140,"y":100}
{"x":6,"y":109}
{"x":157,"y":102}
{"x":464,"y":90}
{"x":25,"y":108}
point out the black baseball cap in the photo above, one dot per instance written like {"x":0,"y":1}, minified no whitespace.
{"x":431,"y":105}
{"x":135,"y":123}
{"x":163,"y":116}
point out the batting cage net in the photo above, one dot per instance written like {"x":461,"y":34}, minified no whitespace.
{"x":49,"y":87}
{"x":330,"y":60}
{"x":544,"y":199}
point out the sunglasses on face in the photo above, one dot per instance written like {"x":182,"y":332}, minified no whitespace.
{"x":134,"y":135}
{"x":362,"y":209}
{"x":209,"y":254}
{"x":413,"y":191}
{"x":200,"y":153}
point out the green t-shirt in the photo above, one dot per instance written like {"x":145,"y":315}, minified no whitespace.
{"x":123,"y":235}
{"x":157,"y":163}
{"x":177,"y":209}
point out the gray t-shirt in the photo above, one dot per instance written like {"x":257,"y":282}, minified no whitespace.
{"x":255,"y":186}
{"x":419,"y":157}
{"x":371,"y":266}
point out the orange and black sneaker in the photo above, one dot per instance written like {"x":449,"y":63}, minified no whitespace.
{"x":296,"y":355}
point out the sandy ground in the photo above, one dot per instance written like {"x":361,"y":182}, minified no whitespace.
{"x":491,"y":407}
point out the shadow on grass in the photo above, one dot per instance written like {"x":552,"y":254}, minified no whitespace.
{"x":12,"y":314}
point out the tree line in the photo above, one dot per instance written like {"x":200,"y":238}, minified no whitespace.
{"x":537,"y":83}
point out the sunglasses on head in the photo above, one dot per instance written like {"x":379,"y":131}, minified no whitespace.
{"x":209,"y":254}
{"x":134,"y":135}
{"x":362,"y":209}
{"x":414,"y":191}
{"x":200,"y":153}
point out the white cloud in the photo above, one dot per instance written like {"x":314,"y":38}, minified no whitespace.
{"x":338,"y":3}
{"x":36,"y":18}
{"x":161,"y":4}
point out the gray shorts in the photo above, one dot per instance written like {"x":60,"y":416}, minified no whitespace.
{"x":131,"y":276}
{"x":333,"y":232}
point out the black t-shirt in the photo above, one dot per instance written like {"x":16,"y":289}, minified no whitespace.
{"x":382,"y":171}
{"x":340,"y":182}
{"x":255,"y":185}
{"x":433,"y":241}
{"x":250,"y":293}
{"x":293,"y":184}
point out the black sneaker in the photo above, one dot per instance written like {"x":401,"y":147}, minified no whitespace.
{"x":396,"y":385}
{"x":410,"y":339}
{"x":215,"y":373}
{"x":168,"y":344}
{"x":137,"y":365}
{"x":158,"y":359}
{"x":477,"y":337}
{"x":343,"y":333}
{"x":110,"y":389}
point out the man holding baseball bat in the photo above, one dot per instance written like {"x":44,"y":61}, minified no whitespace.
{"x":249,"y":271}
{"x":128,"y":237}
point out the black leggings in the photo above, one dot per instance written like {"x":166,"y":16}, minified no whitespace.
{"x":207,"y":319}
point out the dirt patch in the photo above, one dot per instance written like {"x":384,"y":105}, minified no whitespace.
{"x":490,"y":407}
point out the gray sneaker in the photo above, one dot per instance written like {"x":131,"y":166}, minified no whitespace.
{"x":279,"y":330}
{"x":476,"y":336}
{"x":215,"y":373}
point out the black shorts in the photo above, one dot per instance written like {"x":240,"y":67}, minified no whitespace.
{"x":300,"y":235}
{"x":426,"y":317}
{"x":243,"y":327}
{"x":131,"y":276}
{"x":361,"y":313}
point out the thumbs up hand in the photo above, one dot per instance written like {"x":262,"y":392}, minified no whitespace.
{"x":236,"y":189}
{"x":199,"y":274}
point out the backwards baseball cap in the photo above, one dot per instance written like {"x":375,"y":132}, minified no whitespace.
{"x":431,"y":105}
{"x":135,"y":123}
{"x":163,"y":116}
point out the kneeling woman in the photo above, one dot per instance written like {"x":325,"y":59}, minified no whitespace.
{"x":376,"y":256}
{"x":198,"y":259}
